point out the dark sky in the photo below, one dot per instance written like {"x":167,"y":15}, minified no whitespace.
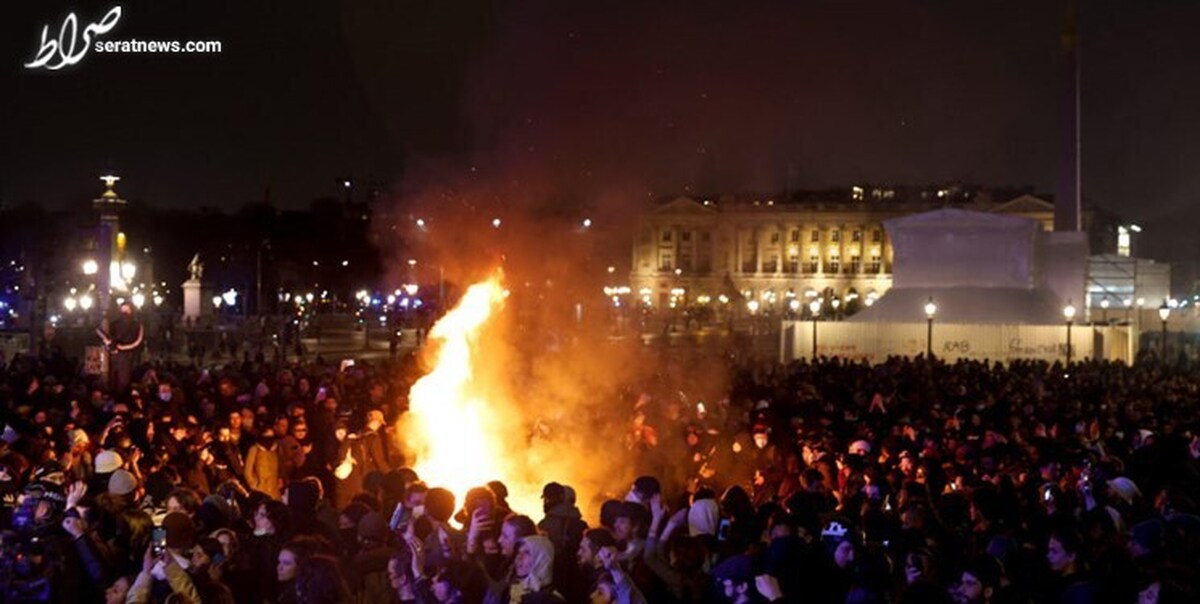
{"x":576,"y":100}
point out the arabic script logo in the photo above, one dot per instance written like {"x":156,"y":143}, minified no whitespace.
{"x":68,"y":48}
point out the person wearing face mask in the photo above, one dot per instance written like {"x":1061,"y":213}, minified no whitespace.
{"x":357,"y":455}
{"x":166,"y":394}
{"x":768,"y":466}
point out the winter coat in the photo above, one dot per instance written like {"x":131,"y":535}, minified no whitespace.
{"x":262,"y":470}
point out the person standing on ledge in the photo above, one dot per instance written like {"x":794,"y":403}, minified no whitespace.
{"x":123,"y":339}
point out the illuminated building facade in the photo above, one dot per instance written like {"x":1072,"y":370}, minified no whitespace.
{"x":777,"y":255}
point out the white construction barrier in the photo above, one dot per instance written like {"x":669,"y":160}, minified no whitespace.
{"x":951,"y":341}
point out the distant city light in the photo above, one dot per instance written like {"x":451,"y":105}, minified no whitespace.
{"x":496,"y":223}
{"x":85,"y":302}
{"x":90,"y":267}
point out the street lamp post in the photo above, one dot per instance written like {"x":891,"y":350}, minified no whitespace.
{"x":1069,"y":315}
{"x":815,"y":308}
{"x":930,"y":310}
{"x":1164,"y":313}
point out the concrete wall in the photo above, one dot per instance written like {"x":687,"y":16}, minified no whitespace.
{"x":1005,"y":343}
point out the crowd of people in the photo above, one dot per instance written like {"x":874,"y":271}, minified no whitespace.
{"x":909,"y":480}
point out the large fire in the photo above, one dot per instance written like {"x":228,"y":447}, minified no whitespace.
{"x":459,"y":430}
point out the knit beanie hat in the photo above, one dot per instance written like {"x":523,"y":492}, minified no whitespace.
{"x":122,"y":483}
{"x":108,"y":461}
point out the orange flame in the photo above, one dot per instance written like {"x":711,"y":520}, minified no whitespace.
{"x":455,"y":428}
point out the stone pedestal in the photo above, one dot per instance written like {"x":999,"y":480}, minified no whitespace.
{"x":194,"y":296}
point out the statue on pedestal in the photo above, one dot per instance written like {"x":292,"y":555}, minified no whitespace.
{"x":196,"y":268}
{"x":194,"y":292}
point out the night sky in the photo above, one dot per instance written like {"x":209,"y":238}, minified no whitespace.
{"x":580,"y":102}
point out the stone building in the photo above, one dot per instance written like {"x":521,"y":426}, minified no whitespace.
{"x":768,"y":255}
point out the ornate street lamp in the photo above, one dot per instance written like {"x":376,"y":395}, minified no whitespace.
{"x":1069,"y":315}
{"x":930,"y":311}
{"x":815,"y":308}
{"x":1164,"y":313}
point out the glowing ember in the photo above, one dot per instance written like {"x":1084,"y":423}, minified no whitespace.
{"x":453,"y":428}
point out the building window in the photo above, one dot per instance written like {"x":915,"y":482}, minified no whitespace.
{"x":685,"y":236}
{"x":877,"y":236}
{"x":775,"y":237}
{"x":835,"y":264}
{"x":873,"y":265}
{"x":666,"y":236}
{"x":816,"y":236}
{"x":814,"y":264}
{"x":856,"y":236}
{"x":771,"y":265}
{"x":795,"y":235}
{"x":835,"y":235}
{"x":685,"y":261}
{"x":666,"y":261}
{"x":855,"y":266}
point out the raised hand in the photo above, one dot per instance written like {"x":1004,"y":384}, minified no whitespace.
{"x":418,"y":554}
{"x":76,"y":493}
{"x":657,"y":508}
{"x":768,"y":587}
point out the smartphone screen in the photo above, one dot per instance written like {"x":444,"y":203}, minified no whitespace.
{"x":158,"y":540}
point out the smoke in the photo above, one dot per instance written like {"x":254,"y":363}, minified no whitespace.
{"x":563,"y":389}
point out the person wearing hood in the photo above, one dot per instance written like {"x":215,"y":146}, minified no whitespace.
{"x":262,"y":465}
{"x":563,"y":524}
{"x":367,"y":574}
{"x":304,"y":501}
{"x":533,"y":576}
